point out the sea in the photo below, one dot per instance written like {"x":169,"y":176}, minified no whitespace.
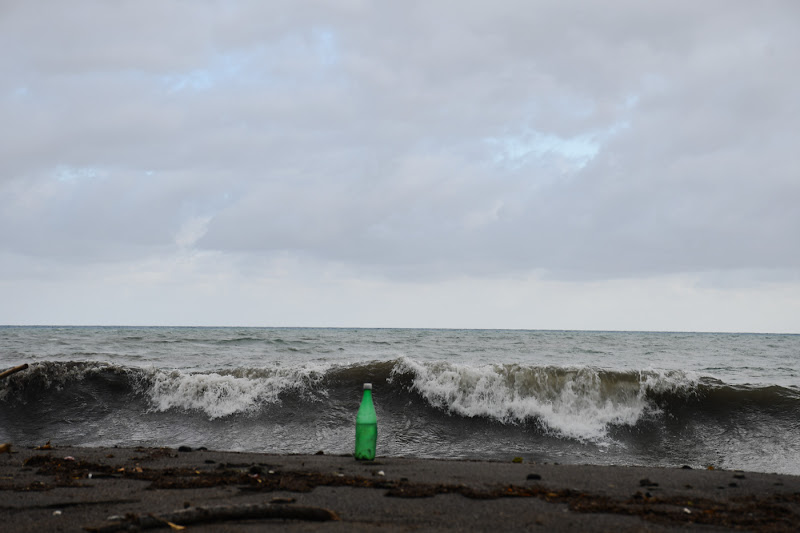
{"x":580,"y":397}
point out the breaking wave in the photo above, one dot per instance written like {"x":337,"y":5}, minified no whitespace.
{"x":583,"y":404}
{"x":579,"y":403}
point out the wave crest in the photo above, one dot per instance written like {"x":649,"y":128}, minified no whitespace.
{"x":579,"y":403}
{"x":238,"y":391}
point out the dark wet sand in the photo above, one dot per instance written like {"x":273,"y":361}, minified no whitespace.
{"x":69,"y":489}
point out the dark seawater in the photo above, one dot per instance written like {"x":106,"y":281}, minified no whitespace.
{"x":668,"y":399}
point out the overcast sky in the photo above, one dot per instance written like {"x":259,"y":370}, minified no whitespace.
{"x":622,"y":164}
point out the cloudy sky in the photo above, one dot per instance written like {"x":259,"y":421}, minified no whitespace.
{"x":620,"y":165}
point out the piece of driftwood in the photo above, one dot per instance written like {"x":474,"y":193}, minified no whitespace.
{"x":14,"y":370}
{"x":201,"y":515}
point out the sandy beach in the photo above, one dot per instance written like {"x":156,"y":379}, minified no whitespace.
{"x":106,"y":489}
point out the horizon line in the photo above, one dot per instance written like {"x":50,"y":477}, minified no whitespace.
{"x":429,"y":328}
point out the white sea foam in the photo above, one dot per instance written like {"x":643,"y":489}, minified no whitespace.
{"x":579,"y":403}
{"x":220,"y":395}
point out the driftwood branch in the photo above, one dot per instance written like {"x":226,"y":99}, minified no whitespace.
{"x":14,"y":370}
{"x":200,"y":515}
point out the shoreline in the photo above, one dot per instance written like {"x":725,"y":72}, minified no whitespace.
{"x":73,"y":488}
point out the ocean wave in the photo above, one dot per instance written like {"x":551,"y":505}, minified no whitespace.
{"x":43,"y":376}
{"x":579,"y":403}
{"x":237,"y":391}
{"x":217,"y":394}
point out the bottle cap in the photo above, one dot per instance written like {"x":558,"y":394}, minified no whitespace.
{"x":367,"y":386}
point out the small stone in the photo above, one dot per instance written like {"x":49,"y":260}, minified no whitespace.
{"x":534,"y":477}
{"x":516,"y":460}
{"x":184,"y":449}
{"x":320,"y":453}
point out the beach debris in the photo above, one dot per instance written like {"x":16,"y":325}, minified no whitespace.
{"x":516,"y":460}
{"x":14,"y":370}
{"x":56,"y":513}
{"x":381,"y":473}
{"x":69,"y":458}
{"x":753,"y":512}
{"x":687,"y":510}
{"x":45,"y":446}
{"x":222,"y":513}
{"x":5,"y":448}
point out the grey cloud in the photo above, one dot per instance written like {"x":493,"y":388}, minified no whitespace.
{"x":371,"y":147}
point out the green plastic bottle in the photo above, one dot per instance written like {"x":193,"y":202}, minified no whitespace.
{"x":366,"y":427}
